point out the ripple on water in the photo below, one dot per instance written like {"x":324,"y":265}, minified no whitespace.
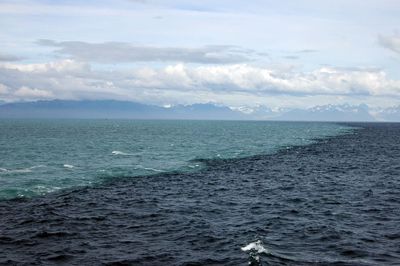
{"x":344,"y":217}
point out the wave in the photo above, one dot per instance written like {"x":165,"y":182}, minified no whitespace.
{"x":255,"y":246}
{"x":152,"y":169}
{"x":121,"y":153}
{"x":69,"y":166}
{"x":255,"y":249}
{"x":149,"y":168}
{"x":23,"y":170}
{"x":37,"y":166}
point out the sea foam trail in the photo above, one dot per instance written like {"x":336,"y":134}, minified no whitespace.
{"x":149,"y":168}
{"x":23,"y":170}
{"x":152,"y":169}
{"x":121,"y":153}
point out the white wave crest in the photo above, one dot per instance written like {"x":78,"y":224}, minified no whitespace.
{"x":152,"y":169}
{"x":120,"y":153}
{"x":37,"y":166}
{"x":69,"y":166}
{"x":23,"y":170}
{"x":255,"y":246}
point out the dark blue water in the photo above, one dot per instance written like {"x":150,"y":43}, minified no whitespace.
{"x":333,"y":202}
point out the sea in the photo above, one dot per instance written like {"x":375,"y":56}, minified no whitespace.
{"x":177,"y":192}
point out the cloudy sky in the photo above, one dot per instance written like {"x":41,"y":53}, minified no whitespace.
{"x":292,"y":53}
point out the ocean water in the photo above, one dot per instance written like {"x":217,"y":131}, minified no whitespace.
{"x":330,"y":201}
{"x":42,"y":156}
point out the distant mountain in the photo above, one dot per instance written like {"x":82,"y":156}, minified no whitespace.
{"x":114,"y":109}
{"x":109,"y":109}
{"x":329,"y":112}
{"x":204,"y":111}
{"x":258,"y":112}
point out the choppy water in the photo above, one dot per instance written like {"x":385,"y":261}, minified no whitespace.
{"x":334,"y":202}
{"x":41,"y":156}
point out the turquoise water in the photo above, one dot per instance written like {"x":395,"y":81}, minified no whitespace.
{"x":41,"y":156}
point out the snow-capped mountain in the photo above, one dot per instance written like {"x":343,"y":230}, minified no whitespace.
{"x":259,"y":112}
{"x":207,"y":111}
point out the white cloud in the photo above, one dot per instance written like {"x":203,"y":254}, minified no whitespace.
{"x":26,"y":93}
{"x":238,"y":84}
{"x":257,"y":80}
{"x":62,"y":66}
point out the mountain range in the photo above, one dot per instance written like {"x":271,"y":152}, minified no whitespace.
{"x":110,"y":109}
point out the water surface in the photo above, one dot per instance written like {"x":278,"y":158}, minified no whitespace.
{"x":41,"y":156}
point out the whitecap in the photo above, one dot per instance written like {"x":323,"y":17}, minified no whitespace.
{"x":120,"y":153}
{"x":255,"y":249}
{"x":152,"y":169}
{"x":193,"y":166}
{"x":24,"y":170}
{"x":255,"y":246}
{"x":37,"y":166}
{"x":68,"y":166}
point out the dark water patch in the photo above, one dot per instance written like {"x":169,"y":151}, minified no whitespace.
{"x":330,"y":203}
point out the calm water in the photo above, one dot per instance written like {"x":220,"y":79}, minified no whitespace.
{"x":41,"y":156}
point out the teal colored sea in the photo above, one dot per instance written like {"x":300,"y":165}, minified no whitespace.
{"x":42,"y":156}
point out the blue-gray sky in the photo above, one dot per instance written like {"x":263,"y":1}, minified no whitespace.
{"x":293,"y":53}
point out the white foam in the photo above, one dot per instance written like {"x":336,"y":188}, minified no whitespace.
{"x":152,"y":169}
{"x":68,"y":166}
{"x":37,"y":166}
{"x":120,"y":153}
{"x":23,"y":170}
{"x":255,"y":246}
{"x":26,"y":170}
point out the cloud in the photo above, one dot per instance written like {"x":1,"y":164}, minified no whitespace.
{"x":26,"y":93}
{"x":3,"y":89}
{"x":119,"y":52}
{"x":62,"y":66}
{"x":292,"y":57}
{"x":391,"y":42}
{"x":263,"y":81}
{"x":307,"y":51}
{"x":185,"y":83}
{"x":9,"y":58}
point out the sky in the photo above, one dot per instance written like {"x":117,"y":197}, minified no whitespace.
{"x":280,"y":54}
